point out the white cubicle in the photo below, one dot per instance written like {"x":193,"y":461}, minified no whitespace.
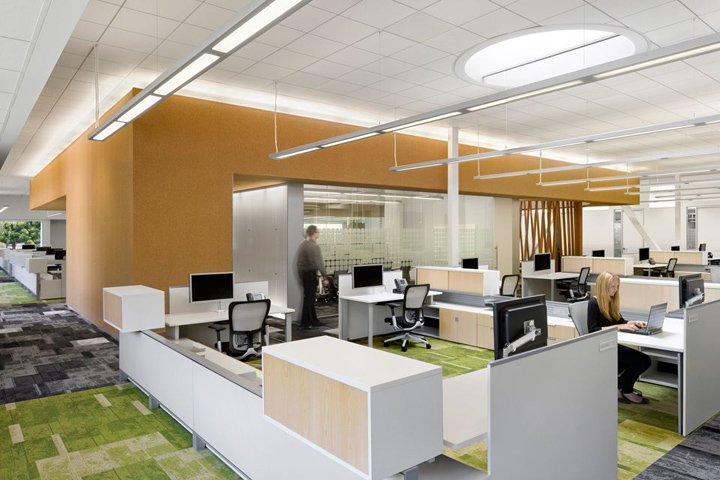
{"x":353,"y":316}
{"x":31,"y":270}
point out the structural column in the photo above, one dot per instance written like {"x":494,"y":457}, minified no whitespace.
{"x":678,"y":215}
{"x":453,"y":200}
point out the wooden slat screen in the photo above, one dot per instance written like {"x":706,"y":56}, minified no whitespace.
{"x":553,"y":227}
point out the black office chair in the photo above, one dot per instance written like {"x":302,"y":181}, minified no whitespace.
{"x":248,"y":331}
{"x":411,"y":318}
{"x":509,"y":284}
{"x":576,"y":290}
{"x":669,"y":271}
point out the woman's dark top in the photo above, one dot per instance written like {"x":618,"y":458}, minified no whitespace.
{"x":596,"y":320}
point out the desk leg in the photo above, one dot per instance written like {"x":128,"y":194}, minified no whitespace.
{"x":175,"y":332}
{"x":681,"y":404}
{"x":342,"y":320}
{"x":288,"y":327}
{"x":371,"y":321}
{"x":552,"y":290}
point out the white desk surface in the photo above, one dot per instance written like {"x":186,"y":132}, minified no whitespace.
{"x":552,"y":276}
{"x":480,"y":269}
{"x":672,"y":338}
{"x":195,"y":318}
{"x":230,"y":364}
{"x":131,"y":290}
{"x":381,"y":297}
{"x":465,"y":409}
{"x":368,"y":369}
{"x":648,"y":266}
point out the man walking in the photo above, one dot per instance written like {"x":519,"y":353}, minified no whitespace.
{"x":309,"y":261}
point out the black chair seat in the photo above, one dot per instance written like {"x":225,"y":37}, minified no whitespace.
{"x":217,"y":327}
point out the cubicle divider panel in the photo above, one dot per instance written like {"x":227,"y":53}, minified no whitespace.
{"x":438,"y":279}
{"x":684,"y":258}
{"x":179,"y":297}
{"x":553,"y":411}
{"x":701,"y":382}
{"x":326,"y":412}
{"x":469,"y":282}
{"x":643,"y":295}
{"x":575,"y":264}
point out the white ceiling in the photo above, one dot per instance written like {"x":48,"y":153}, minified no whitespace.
{"x":370,"y":61}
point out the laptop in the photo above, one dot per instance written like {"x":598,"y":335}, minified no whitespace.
{"x":655,"y":321}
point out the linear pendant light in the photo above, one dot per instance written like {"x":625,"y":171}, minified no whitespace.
{"x":615,"y":187}
{"x":4,"y":207}
{"x":678,"y":51}
{"x":653,"y":173}
{"x":253,"y":20}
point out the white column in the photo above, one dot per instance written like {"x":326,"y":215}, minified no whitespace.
{"x":678,"y":218}
{"x":453,"y":203}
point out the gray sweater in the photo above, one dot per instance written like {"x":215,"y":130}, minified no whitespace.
{"x":310,"y":257}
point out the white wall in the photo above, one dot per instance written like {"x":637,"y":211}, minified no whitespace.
{"x":19,"y":209}
{"x":597,"y":231}
{"x":57,"y":233}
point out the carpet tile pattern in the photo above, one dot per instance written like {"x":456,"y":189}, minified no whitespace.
{"x":11,"y":292}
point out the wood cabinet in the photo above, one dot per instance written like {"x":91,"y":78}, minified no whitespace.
{"x":437,"y":279}
{"x":458,"y":326}
{"x":485,"y":331}
{"x":560,"y":333}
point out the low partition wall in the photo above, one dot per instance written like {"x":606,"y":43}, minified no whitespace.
{"x":468,"y":280}
{"x":641,"y":294}
{"x":618,"y":265}
{"x":684,"y":258}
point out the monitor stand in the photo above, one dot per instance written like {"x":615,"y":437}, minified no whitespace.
{"x":219,"y":307}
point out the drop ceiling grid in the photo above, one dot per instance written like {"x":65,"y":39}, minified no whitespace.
{"x":410,"y":72}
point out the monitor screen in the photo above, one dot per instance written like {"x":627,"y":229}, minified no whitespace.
{"x":209,"y":287}
{"x":60,"y":254}
{"x":470,"y":263}
{"x":692,"y":290}
{"x":703,"y":247}
{"x":542,"y":261}
{"x":598,"y":253}
{"x":42,"y":249}
{"x":644,"y":254}
{"x":510,"y":318}
{"x":367,"y":276}
{"x":675,"y":248}
{"x":28,"y":247}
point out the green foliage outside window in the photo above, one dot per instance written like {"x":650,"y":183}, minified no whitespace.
{"x":20,"y":232}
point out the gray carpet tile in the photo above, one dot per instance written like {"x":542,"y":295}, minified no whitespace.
{"x":47,"y":349}
{"x":659,"y":473}
{"x":697,"y":457}
{"x":327,"y":314}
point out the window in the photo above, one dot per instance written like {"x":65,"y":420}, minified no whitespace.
{"x":20,"y":232}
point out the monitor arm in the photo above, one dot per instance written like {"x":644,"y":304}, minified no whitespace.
{"x":696,"y":299}
{"x":531,"y":333}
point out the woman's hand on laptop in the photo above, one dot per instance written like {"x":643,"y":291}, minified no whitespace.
{"x":630,"y":326}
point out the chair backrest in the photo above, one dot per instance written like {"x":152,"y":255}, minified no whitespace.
{"x":248,"y":316}
{"x":584,"y":273}
{"x":578,"y":314}
{"x":509,"y":285}
{"x":671,"y":265}
{"x":415,"y":296}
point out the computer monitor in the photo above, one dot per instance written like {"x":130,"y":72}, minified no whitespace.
{"x":60,"y":254}
{"x":542,"y":262}
{"x":470,"y":263}
{"x":703,"y":247}
{"x":367,"y":276}
{"x":211,"y":287}
{"x":675,"y":248}
{"x":598,"y":253}
{"x":644,"y":254}
{"x":692,"y":290}
{"x":50,"y":251}
{"x":520,"y":325}
{"x":42,"y":249}
{"x":28,"y":247}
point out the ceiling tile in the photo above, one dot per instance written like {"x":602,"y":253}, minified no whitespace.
{"x":292,"y":60}
{"x":366,"y":93}
{"x":218,"y":75}
{"x":458,"y":12}
{"x":497,"y":23}
{"x":307,"y":18}
{"x":12,"y":53}
{"x":419,"y":92}
{"x":190,"y":34}
{"x":279,"y":36}
{"x":361,"y":77}
{"x":8,"y":80}
{"x":63,"y":72}
{"x":367,"y":12}
{"x":537,"y":11}
{"x":713,"y":19}
{"x":623,"y":8}
{"x":105,"y":67}
{"x":344,"y":30}
{"x":419,"y":76}
{"x":248,"y":81}
{"x":255,"y":51}
{"x":447,"y":84}
{"x":70,"y":60}
{"x":658,"y":17}
{"x":234,"y":5}
{"x":173,"y":50}
{"x":5,"y":99}
{"x":389,"y":67}
{"x":444,"y":65}
{"x":305,"y":80}
{"x":129,"y":40}
{"x":177,"y":10}
{"x":334,"y":6}
{"x":339,"y":87}
{"x":702,"y":7}
{"x":156,"y":63}
{"x":455,"y":41}
{"x":328,"y":69}
{"x":313,"y":45}
{"x":270,"y":72}
{"x":417,"y":4}
{"x":582,"y":15}
{"x":99,"y":12}
{"x":209,"y":16}
{"x":396,"y":101}
{"x":354,"y":57}
{"x":89,"y":31}
{"x":145,"y":23}
{"x":235,"y":64}
{"x":419,"y":27}
{"x":419,"y":55}
{"x":384,"y":43}
{"x":78,"y":47}
{"x":18,"y":19}
{"x":392,"y":85}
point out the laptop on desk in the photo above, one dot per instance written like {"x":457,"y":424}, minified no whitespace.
{"x":655,"y":321}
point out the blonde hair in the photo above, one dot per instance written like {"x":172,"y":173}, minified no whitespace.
{"x":609,"y":306}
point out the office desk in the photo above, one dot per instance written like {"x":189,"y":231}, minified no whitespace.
{"x":544,"y":284}
{"x":647,"y":268}
{"x":465,"y":409}
{"x":370,"y":300}
{"x":173,"y":321}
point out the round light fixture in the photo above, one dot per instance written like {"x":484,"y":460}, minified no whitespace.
{"x":538,"y":53}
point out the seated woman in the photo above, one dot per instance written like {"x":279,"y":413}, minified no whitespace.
{"x":604,"y":313}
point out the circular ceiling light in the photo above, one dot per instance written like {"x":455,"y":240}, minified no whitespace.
{"x":538,"y":53}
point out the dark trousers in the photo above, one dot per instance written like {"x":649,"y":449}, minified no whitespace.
{"x":309,"y":286}
{"x":631,"y":364}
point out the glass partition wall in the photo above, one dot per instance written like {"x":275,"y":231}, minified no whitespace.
{"x":398,"y":229}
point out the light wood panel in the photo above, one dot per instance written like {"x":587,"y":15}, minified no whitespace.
{"x":553,"y":227}
{"x":618,"y":266}
{"x":560,"y":333}
{"x":328,"y":413}
{"x":465,"y":282}
{"x":467,"y":328}
{"x":438,"y":279}
{"x":687,"y":258}
{"x":112,"y":305}
{"x":575,"y":264}
{"x":636,"y":296}
{"x":485,"y":331}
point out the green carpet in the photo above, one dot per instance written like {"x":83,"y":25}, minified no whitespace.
{"x":645,"y":432}
{"x":105,"y":433}
{"x":13,"y":292}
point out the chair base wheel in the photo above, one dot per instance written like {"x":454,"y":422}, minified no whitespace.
{"x":404,"y":349}
{"x":428,"y":346}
